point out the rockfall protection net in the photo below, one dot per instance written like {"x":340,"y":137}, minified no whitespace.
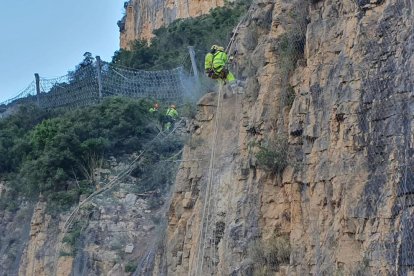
{"x":76,"y":89}
{"x":81,"y":87}
{"x":163,"y":85}
{"x":362,"y":115}
{"x":27,"y":94}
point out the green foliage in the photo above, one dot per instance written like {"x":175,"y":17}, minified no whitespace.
{"x":290,"y":96}
{"x":12,"y":206}
{"x":63,"y":253}
{"x":268,"y":256}
{"x":169,"y":47}
{"x":13,"y":146}
{"x":188,"y":110}
{"x":79,"y":80}
{"x":291,"y":49}
{"x":157,"y":169}
{"x":130,"y":266}
{"x":62,"y":200}
{"x":44,"y":152}
{"x":273,"y":156}
{"x":72,"y":238}
{"x":80,"y":73}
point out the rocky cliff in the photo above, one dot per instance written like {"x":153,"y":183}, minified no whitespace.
{"x":115,"y":234}
{"x":309,"y":171}
{"x":344,"y":200}
{"x":142,"y":17}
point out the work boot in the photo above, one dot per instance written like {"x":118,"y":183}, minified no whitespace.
{"x":237,"y":87}
{"x":233,"y":87}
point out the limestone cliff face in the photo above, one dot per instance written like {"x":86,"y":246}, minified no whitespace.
{"x":345,"y":200}
{"x":144,"y":16}
{"x":14,"y":231}
{"x":335,"y":79}
{"x":115,"y":234}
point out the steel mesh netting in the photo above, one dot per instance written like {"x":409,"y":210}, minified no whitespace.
{"x":76,"y":89}
{"x":81,"y":87}
{"x":163,"y":85}
{"x":371,"y":101}
{"x":387,"y":118}
{"x":27,"y":94}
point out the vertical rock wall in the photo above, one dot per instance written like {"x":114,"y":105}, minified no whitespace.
{"x":345,"y":199}
{"x":354,"y":113}
{"x":14,"y":233}
{"x":38,"y":256}
{"x":145,"y":16}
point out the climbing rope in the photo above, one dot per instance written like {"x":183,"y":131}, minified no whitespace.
{"x":235,"y":32}
{"x":208,"y":221}
{"x":208,"y":201}
{"x":203,"y":232}
{"x":238,"y":107}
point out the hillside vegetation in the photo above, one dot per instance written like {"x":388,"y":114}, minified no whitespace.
{"x":55,"y":153}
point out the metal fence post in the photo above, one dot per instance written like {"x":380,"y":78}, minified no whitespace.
{"x":197,"y":84}
{"x":98,"y":70}
{"x":193,"y":62}
{"x":37,"y":78}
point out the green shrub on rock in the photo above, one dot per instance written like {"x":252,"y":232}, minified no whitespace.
{"x":273,"y":156}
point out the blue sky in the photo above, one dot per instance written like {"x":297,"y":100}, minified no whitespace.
{"x":49,"y":37}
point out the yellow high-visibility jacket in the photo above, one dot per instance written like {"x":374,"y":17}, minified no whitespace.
{"x":172,"y":113}
{"x":219,"y":60}
{"x":215,"y":61}
{"x":208,"y":62}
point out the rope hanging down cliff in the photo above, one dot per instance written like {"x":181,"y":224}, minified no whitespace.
{"x":203,"y":231}
{"x":207,"y":202}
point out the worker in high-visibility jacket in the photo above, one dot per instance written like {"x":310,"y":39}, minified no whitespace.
{"x":155,"y":108}
{"x":171,"y":115}
{"x":215,"y":65}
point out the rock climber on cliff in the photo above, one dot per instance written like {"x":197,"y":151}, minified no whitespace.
{"x":216,"y":65}
{"x":171,"y":115}
{"x":155,"y":108}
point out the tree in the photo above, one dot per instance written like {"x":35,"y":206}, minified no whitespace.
{"x":84,"y":70}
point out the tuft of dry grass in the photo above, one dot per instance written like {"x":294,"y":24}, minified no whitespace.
{"x":268,"y":256}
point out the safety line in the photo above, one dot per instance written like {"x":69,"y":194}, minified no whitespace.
{"x":233,"y":38}
{"x":208,"y":189}
{"x":207,"y":202}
